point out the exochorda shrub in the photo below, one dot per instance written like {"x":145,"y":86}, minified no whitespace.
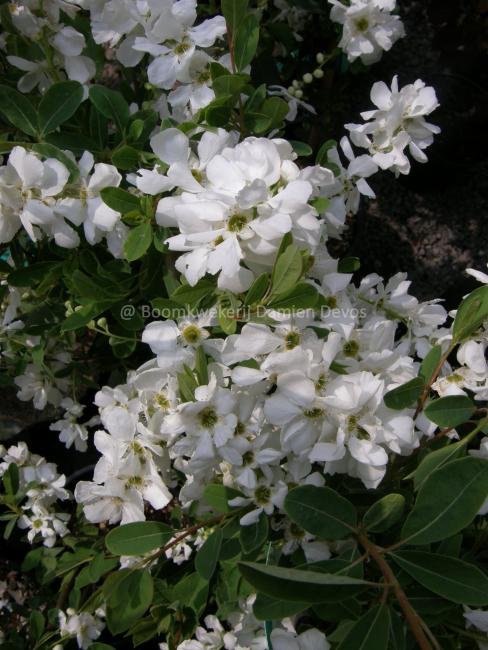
{"x":289,"y":455}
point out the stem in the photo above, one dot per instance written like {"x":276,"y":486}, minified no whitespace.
{"x":415,"y":622}
{"x":435,"y":374}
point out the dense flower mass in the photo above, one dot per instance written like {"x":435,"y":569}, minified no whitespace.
{"x":368,"y":27}
{"x":239,"y":409}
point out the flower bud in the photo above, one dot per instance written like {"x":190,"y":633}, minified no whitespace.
{"x":307,"y":78}
{"x":318,"y":73}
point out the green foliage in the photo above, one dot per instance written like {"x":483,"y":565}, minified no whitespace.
{"x":59,"y":103}
{"x":138,"y":538}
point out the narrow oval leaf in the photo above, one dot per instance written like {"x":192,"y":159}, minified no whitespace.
{"x":254,"y":535}
{"x":448,"y":501}
{"x":257,"y":289}
{"x":430,"y":363}
{"x":18,"y":110}
{"x":471,"y":313}
{"x":111,"y":104}
{"x":267,"y":608}
{"x":435,"y":460}
{"x":138,"y":241}
{"x":370,"y":632}
{"x":405,"y":395}
{"x":138,"y":538}
{"x":58,"y":104}
{"x":287,"y":270}
{"x":455,"y":580}
{"x":218,"y":497}
{"x":246,"y":41}
{"x":234,"y":12}
{"x":321,"y":511}
{"x":297,"y":585}
{"x":208,"y":555}
{"x":120,"y":200}
{"x":384,"y":513}
{"x":450,"y":411}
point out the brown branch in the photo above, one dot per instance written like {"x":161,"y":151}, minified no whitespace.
{"x":415,"y":622}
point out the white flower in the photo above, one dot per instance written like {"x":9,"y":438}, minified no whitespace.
{"x":85,"y":627}
{"x":398,"y":122}
{"x":369,"y":28}
{"x":27,"y":190}
{"x":346,"y":189}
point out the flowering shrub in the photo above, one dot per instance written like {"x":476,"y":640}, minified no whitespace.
{"x":289,"y":455}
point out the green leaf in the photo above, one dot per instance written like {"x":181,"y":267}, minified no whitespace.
{"x":218,"y":497}
{"x":385,"y":513}
{"x":321,"y":511}
{"x":302,"y":296}
{"x":321,"y":204}
{"x":287,"y":270}
{"x":254,"y":536}
{"x":322,"y":157}
{"x":128,"y":593}
{"x":138,"y":538}
{"x":430,"y":363}
{"x":81,"y":317}
{"x":188,"y":295}
{"x":246,"y":40}
{"x":229,"y":84}
{"x":297,"y":585}
{"x":275,"y":109}
{"x":405,"y":395}
{"x":31,"y":275}
{"x":208,"y":555}
{"x":50,"y":151}
{"x":10,"y":479}
{"x":18,"y":110}
{"x":448,"y":501}
{"x":234,"y":12}
{"x":436,"y":459}
{"x":257,"y":289}
{"x":301,"y":149}
{"x":370,"y":632}
{"x":120,"y":200}
{"x":125,"y":157}
{"x":36,"y":624}
{"x":471,"y":313}
{"x":349,"y":265}
{"x":452,"y":579}
{"x":218,"y":112}
{"x":59,"y":103}
{"x":138,"y":241}
{"x":450,"y":411}
{"x":267,"y":608}
{"x":111,"y":104}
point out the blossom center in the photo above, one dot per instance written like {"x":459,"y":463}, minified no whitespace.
{"x":236,"y":223}
{"x":292,"y":339}
{"x":262,"y":495}
{"x":191,"y":334}
{"x":362,"y":24}
{"x":208,"y":417}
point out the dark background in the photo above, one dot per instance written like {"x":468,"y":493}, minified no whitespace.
{"x":433,"y":222}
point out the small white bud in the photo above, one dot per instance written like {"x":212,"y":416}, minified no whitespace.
{"x":298,"y":94}
{"x":291,"y":90}
{"x":295,"y":83}
{"x":320,"y":57}
{"x":318,"y":73}
{"x":307,"y":78}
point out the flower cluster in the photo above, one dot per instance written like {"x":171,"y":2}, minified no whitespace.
{"x":368,"y":28}
{"x":247,"y":632}
{"x":166,"y":31}
{"x":57,"y":50}
{"x":42,"y":486}
{"x":35,"y":195}
{"x":398,"y":122}
{"x":284,"y":404}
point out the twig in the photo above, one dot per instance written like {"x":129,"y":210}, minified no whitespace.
{"x":413,"y":619}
